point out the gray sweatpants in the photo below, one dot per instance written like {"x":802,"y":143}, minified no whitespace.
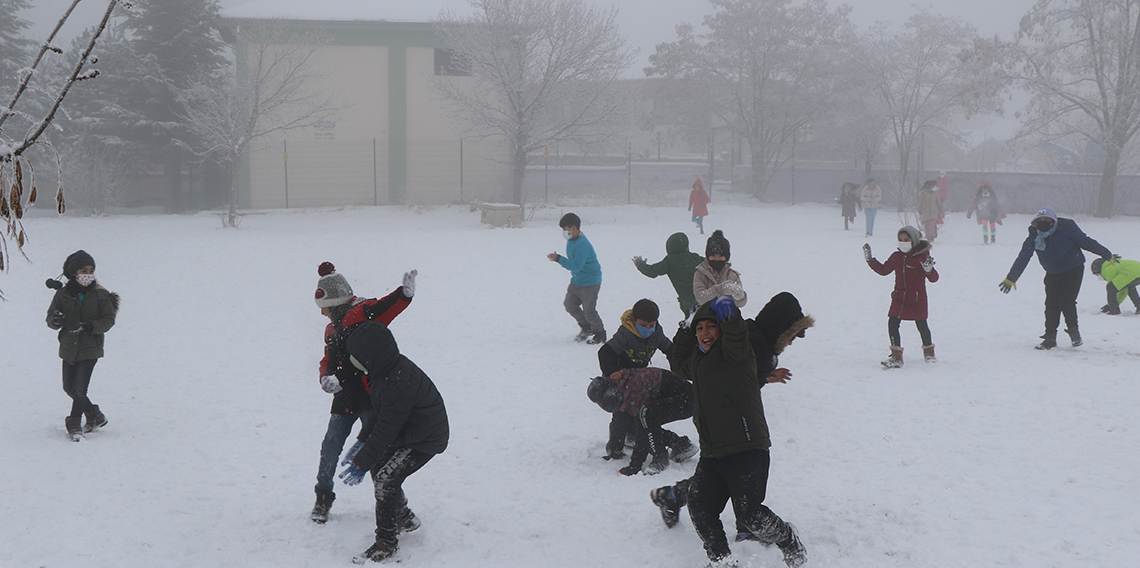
{"x":582,"y":303}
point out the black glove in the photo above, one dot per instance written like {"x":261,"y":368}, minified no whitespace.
{"x":57,"y":318}
{"x":1006,"y":285}
{"x":83,"y":329}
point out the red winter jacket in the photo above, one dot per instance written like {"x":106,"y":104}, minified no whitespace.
{"x":908,"y":300}
{"x":698,"y":200}
{"x":354,"y":396}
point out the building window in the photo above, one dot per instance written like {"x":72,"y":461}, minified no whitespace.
{"x":447,"y":62}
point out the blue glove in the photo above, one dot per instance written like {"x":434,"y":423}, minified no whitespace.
{"x":352,"y":475}
{"x":351,"y":455}
{"x":724,"y":306}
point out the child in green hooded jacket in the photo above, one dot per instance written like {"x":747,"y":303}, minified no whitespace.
{"x":679,"y":265}
{"x":1122,"y":276}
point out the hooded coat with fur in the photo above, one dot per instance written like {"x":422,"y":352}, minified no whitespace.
{"x":93,"y":304}
{"x":908,"y":300}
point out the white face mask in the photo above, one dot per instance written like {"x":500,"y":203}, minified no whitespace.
{"x":905,"y":247}
{"x":566,"y":234}
{"x":85,"y":280}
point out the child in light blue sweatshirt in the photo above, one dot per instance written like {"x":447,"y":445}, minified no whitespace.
{"x":585,"y":280}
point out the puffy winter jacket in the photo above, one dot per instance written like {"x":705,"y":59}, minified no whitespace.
{"x":1062,"y":250}
{"x":698,"y":202}
{"x":908,"y":300}
{"x":708,"y":284}
{"x":353,"y":396}
{"x":871,"y":197}
{"x":775,"y":326}
{"x":1120,"y":274}
{"x":629,"y":350}
{"x":409,"y":409}
{"x":679,"y":265}
{"x":729,"y":413}
{"x":95,"y":306}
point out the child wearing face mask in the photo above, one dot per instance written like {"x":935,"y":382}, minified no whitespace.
{"x":990,"y":212}
{"x":82,"y":311}
{"x":913,"y":266}
{"x":715,"y":277}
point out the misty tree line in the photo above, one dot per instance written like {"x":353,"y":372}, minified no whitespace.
{"x":777,"y":73}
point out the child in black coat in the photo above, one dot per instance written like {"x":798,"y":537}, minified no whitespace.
{"x":652,"y":397}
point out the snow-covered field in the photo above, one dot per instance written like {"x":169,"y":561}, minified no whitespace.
{"x":998,"y":455}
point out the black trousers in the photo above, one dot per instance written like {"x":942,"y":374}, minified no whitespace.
{"x":896,"y":339}
{"x":1061,"y":292}
{"x":76,"y":379}
{"x":397,"y":464}
{"x":743,"y":478}
{"x":674,"y":402}
{"x":1132,"y":294}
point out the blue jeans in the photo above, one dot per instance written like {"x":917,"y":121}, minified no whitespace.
{"x":869,"y":214}
{"x":700,"y":221}
{"x":340,"y":426}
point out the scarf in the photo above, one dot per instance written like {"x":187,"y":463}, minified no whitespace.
{"x":1039,"y":244}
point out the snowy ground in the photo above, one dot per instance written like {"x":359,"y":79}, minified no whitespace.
{"x":998,"y":455}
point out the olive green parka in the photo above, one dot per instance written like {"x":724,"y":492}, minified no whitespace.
{"x":98,"y":307}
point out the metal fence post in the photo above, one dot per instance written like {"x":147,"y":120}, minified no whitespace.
{"x":285,"y":158}
{"x":461,"y":170}
{"x":629,"y":173}
{"x":375,"y":180}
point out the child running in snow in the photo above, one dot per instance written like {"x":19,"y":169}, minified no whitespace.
{"x":581,"y":300}
{"x":347,"y":384}
{"x":680,"y":265}
{"x":913,"y":266}
{"x":651,"y":397}
{"x":715,"y":276}
{"x":1122,"y":276}
{"x":848,"y":201}
{"x":698,"y":204}
{"x":82,"y":311}
{"x":990,"y":212}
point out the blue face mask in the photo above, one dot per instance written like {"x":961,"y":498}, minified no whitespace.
{"x":645,"y":332}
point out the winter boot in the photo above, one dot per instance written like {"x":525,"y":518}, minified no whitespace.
{"x":993,"y":239}
{"x":794,"y":553}
{"x":682,"y":449}
{"x":985,"y":239}
{"x":407,"y":521}
{"x":381,"y":550}
{"x":597,"y":339}
{"x":582,"y":335}
{"x":74,"y":428}
{"x":728,"y":561}
{"x":1075,"y":335}
{"x":1049,"y":341}
{"x":928,"y":353}
{"x":666,"y":500}
{"x":1110,"y":310}
{"x":659,"y":464}
{"x":895,"y":360}
{"x":320,"y":514}
{"x":95,"y":419}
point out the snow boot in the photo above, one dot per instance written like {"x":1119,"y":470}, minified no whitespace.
{"x":1049,"y":341}
{"x":895,"y":360}
{"x":993,"y":239}
{"x":582,"y":335}
{"x":1110,"y":310}
{"x":74,"y":428}
{"x":320,"y":514}
{"x":381,"y":550}
{"x":1075,"y":335}
{"x":659,"y":464}
{"x":597,"y":339}
{"x":928,"y":353}
{"x":682,"y":449}
{"x":666,"y":500}
{"x":795,"y":555}
{"x":985,"y":239}
{"x":407,"y":521}
{"x":95,"y":419}
{"x":728,"y":561}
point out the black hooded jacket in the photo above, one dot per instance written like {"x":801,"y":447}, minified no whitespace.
{"x":778,"y":322}
{"x":409,"y":410}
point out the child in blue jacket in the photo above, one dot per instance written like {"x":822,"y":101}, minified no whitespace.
{"x":581,"y":300}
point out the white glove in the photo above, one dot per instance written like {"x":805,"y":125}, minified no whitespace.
{"x":410,"y":283}
{"x":731,"y":288}
{"x":867,"y":252}
{"x":330,"y":384}
{"x":638,"y":260}
{"x":928,"y":263}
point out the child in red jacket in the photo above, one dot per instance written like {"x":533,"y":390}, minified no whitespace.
{"x":913,"y":266}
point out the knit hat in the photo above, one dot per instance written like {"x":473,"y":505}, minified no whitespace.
{"x":911,"y":232}
{"x":717,"y":244}
{"x":75,"y":261}
{"x":604,"y":393}
{"x":1046,"y":212}
{"x":332,"y":288}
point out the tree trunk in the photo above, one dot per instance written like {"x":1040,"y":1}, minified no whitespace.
{"x":1105,"y":201}
{"x":517,"y":175}
{"x":759,"y":174}
{"x":235,"y":169}
{"x":172,"y":174}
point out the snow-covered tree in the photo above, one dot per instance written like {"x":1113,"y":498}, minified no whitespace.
{"x":18,"y":188}
{"x":16,"y":51}
{"x":279,"y":88}
{"x":933,"y":71}
{"x":764,"y":67}
{"x":179,"y":40}
{"x":1081,"y":61}
{"x":540,"y":72}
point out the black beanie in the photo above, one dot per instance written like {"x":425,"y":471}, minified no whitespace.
{"x":717,"y":244}
{"x":77,"y":260}
{"x":604,"y":393}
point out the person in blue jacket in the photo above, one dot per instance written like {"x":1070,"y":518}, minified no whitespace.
{"x":1058,"y":244}
{"x":585,"y":280}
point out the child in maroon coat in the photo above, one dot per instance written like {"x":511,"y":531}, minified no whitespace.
{"x":652,"y":397}
{"x":913,"y":266}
